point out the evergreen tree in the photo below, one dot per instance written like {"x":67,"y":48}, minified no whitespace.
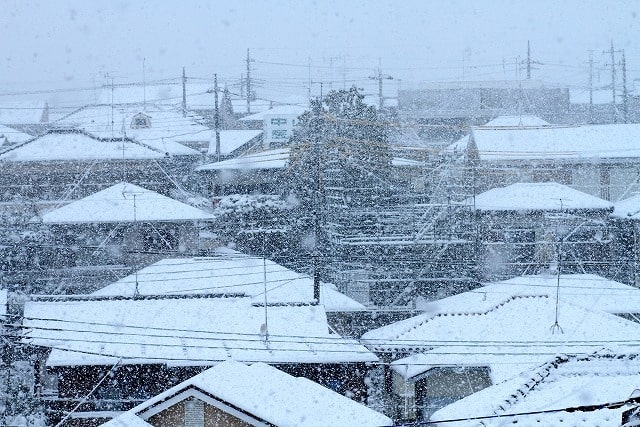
{"x":340,"y":169}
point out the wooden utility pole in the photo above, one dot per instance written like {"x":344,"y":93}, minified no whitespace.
{"x":184,"y":93}
{"x":528,"y":60}
{"x":613,"y":82}
{"x":591,"y":86}
{"x":248,"y":82}
{"x":316,"y":129}
{"x":216,"y":116}
{"x":625,"y":94}
{"x":379,"y":77}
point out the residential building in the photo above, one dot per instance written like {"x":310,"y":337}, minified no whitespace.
{"x":234,"y":394}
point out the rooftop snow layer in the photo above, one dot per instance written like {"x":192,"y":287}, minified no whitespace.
{"x":124,"y":202}
{"x":536,"y":196}
{"x":577,"y":382}
{"x":77,"y":146}
{"x":185,"y":332}
{"x":516,"y":121}
{"x":275,"y":397}
{"x":283,"y":110}
{"x":628,"y":208}
{"x":268,"y":159}
{"x":614,"y":141}
{"x":230,"y":272}
{"x":231,"y":140}
{"x":504,"y":320}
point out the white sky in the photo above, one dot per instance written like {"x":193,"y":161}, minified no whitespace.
{"x":72,"y":44}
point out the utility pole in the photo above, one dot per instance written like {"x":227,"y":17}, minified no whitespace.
{"x":184,"y":93}
{"x":528,"y":60}
{"x":216,"y":117}
{"x":625,"y":94}
{"x":379,"y":77}
{"x":316,"y":128}
{"x":144,"y":87}
{"x":613,"y":81}
{"x":591,"y":87}
{"x":248,"y":82}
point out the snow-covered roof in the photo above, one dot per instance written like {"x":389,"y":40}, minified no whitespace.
{"x":229,"y":272}
{"x":614,"y":141}
{"x":11,"y":136}
{"x":400,"y":162}
{"x":628,"y":208}
{"x":273,"y":396}
{"x":76,"y":146}
{"x":555,"y":386}
{"x":586,"y":290}
{"x":124,"y":202}
{"x":21,"y":113}
{"x":268,"y":159}
{"x":126,"y":419}
{"x":505,"y":362}
{"x":231,"y":140}
{"x":599,"y":96}
{"x":274,"y":159}
{"x":3,"y":302}
{"x":282,"y":110}
{"x":405,"y":138}
{"x":516,"y":121}
{"x":506,"y":320}
{"x":536,"y":196}
{"x":168,"y":130}
{"x":185,"y":332}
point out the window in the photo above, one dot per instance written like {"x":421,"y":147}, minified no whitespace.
{"x":279,"y":134}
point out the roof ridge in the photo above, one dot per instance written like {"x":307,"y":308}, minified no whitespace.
{"x":472,"y":313}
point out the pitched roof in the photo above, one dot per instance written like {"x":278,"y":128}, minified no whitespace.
{"x":231,"y":140}
{"x":585,"y":290}
{"x":628,"y":208}
{"x":185,"y":332}
{"x":567,"y":143}
{"x":124,"y":202}
{"x":229,"y":272}
{"x":282,"y":110}
{"x":268,"y":159}
{"x":169,"y":129}
{"x":504,"y":320}
{"x":548,"y":196}
{"x":559,"y":384}
{"x":516,"y":121}
{"x":273,"y":396}
{"x":72,"y":145}
{"x":10,"y":136}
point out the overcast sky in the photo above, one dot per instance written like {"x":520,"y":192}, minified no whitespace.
{"x":73,"y":44}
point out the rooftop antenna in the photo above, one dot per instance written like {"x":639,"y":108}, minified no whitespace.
{"x":265,"y":327}
{"x":123,"y":155}
{"x":144,"y":87}
{"x":556,"y":325}
{"x":216,"y":117}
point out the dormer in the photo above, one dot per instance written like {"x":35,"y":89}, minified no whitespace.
{"x":141,"y":121}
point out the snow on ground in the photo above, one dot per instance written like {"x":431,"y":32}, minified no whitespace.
{"x":273,"y":396}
